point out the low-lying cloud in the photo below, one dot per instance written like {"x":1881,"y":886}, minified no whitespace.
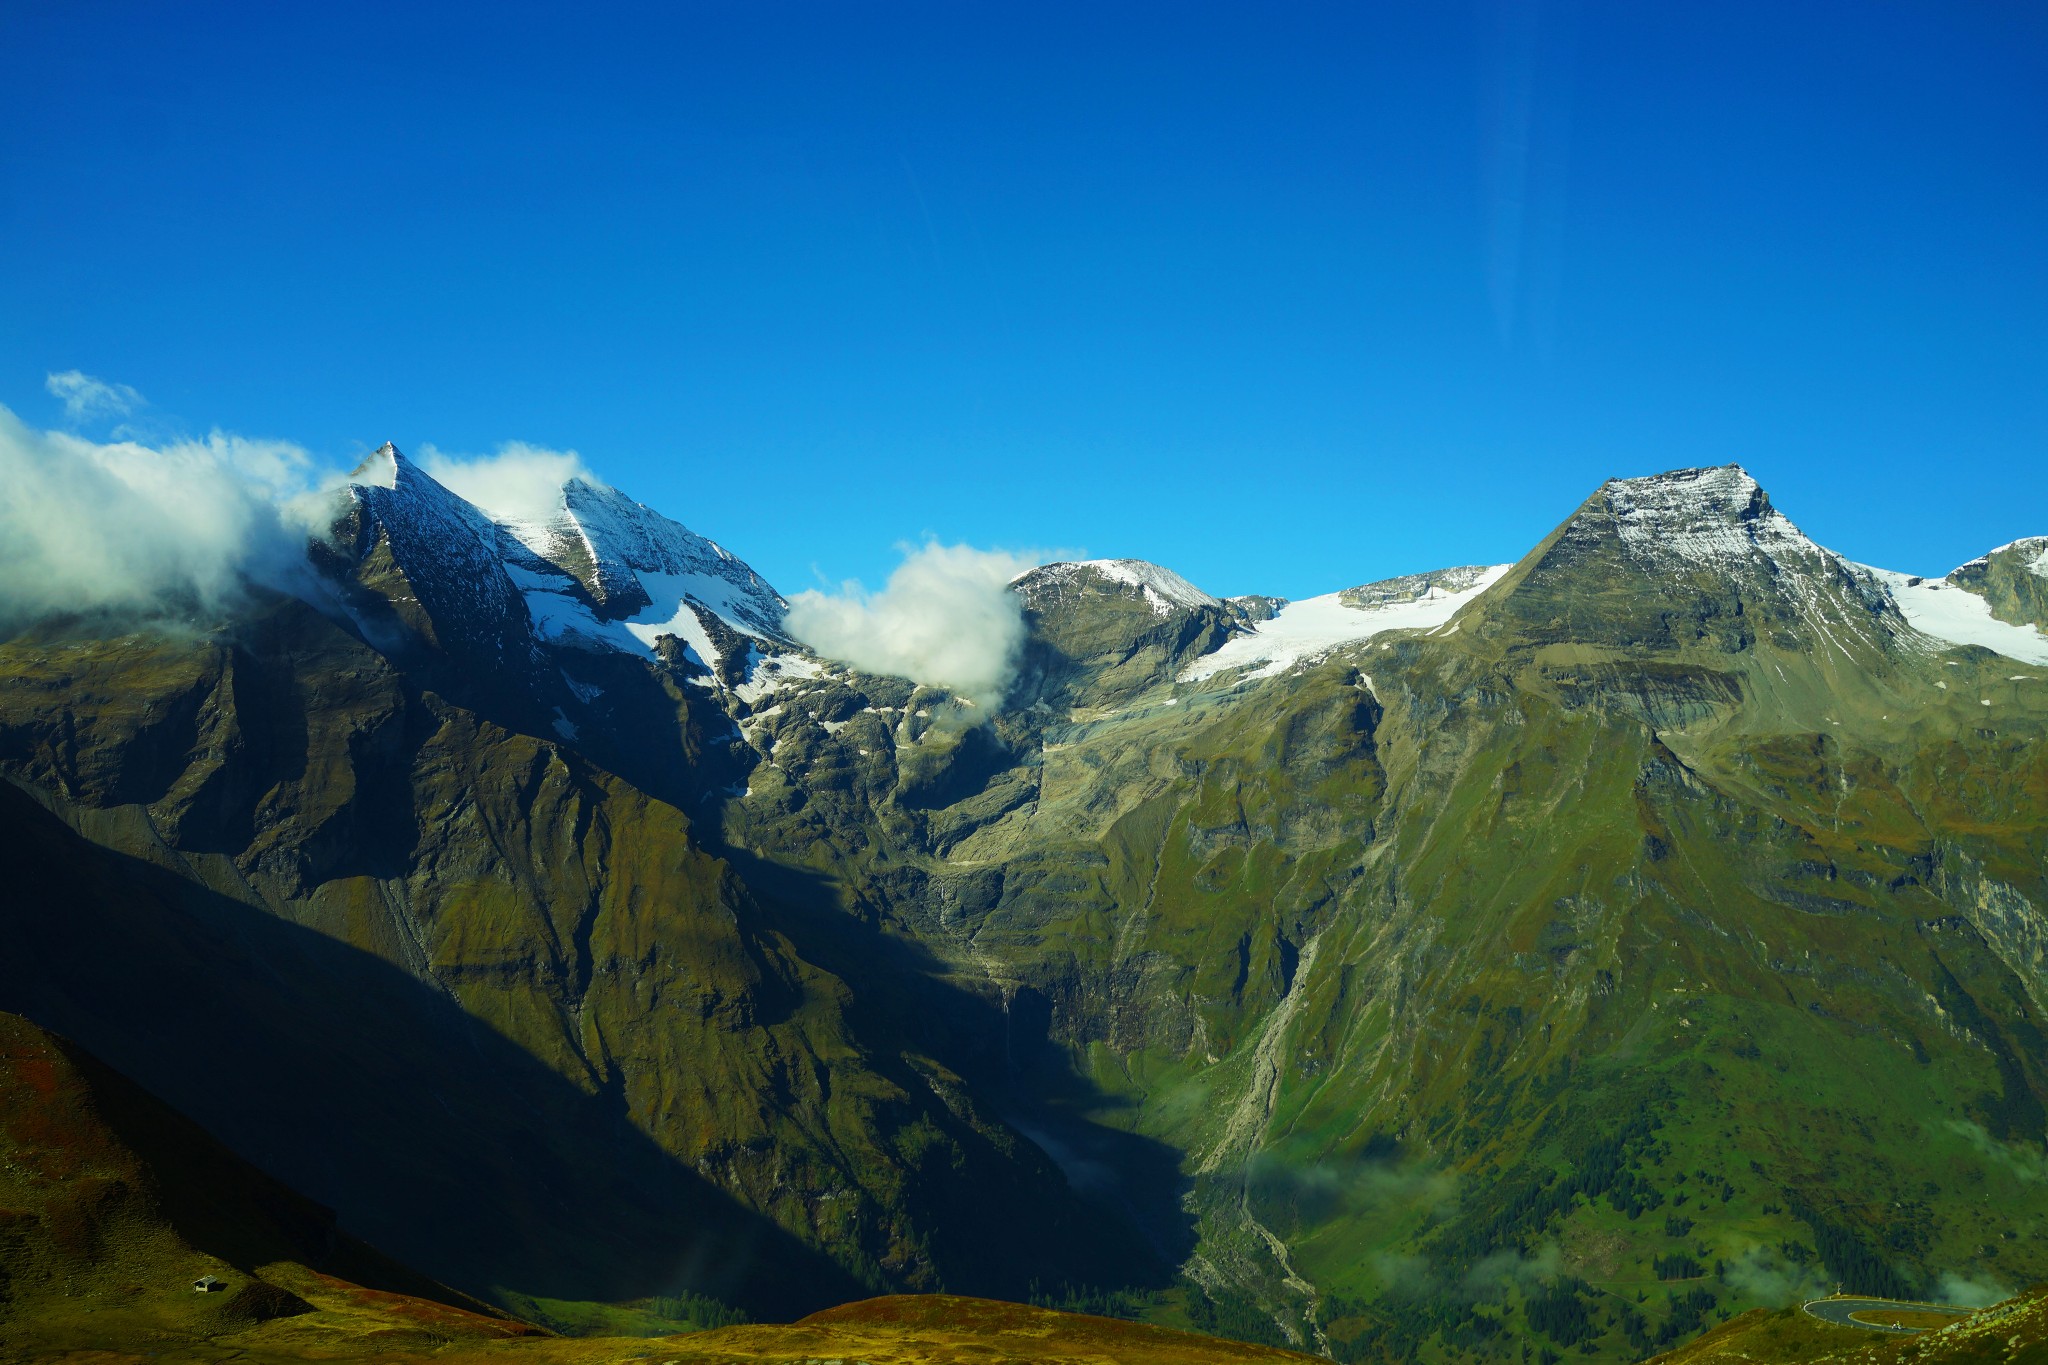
{"x":1318,"y":1191}
{"x":519,"y":483}
{"x":946,"y":617}
{"x":87,"y":527}
{"x":1969,"y":1292}
{"x":2022,"y":1162}
{"x":156,"y":528}
{"x":1487,"y":1280}
{"x":1765,"y":1275}
{"x":1492,"y":1276}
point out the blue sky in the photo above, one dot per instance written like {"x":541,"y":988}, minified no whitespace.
{"x":1286,"y":297}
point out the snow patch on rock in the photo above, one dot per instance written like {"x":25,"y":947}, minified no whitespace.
{"x":772,"y":675}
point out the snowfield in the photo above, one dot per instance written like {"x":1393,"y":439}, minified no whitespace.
{"x":1937,"y":607}
{"x":1311,"y":628}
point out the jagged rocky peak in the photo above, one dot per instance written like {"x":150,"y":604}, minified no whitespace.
{"x":434,"y":560}
{"x":1700,"y":516}
{"x":1694,"y":557}
{"x":422,"y":521}
{"x":1254,"y":607}
{"x":1160,"y":588}
{"x":380,"y":468}
{"x":1104,"y":630}
{"x":629,"y":557}
{"x":1702,"y":525}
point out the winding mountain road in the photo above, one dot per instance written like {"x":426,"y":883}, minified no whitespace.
{"x":1841,"y":1311}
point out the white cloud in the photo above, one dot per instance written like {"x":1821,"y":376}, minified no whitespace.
{"x":1486,"y":1280}
{"x":1490,"y":1275}
{"x":125,"y":526}
{"x":1764,"y":1275}
{"x":947,"y":617}
{"x":86,"y":398}
{"x":155,"y":527}
{"x":519,"y":483}
{"x":1966,"y":1292}
{"x":2022,"y":1162}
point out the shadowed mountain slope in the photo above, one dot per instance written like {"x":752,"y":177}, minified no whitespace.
{"x":115,"y":1205}
{"x":488,"y":1001}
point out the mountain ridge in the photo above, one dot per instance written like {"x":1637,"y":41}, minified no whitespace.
{"x":1666,"y":525}
{"x":1372,"y":967}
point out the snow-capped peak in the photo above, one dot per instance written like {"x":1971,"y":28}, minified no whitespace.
{"x":1702,"y":517}
{"x":379,"y":469}
{"x":607,"y":573}
{"x":405,"y":496}
{"x":629,"y":558}
{"x":1161,"y":588}
{"x":633,"y":537}
{"x":602,"y":572}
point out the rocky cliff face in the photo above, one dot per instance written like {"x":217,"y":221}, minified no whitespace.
{"x":1103,"y":632}
{"x":2013,"y":581}
{"x":1564,"y":953}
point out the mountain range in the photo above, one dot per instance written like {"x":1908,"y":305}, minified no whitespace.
{"x":1565,"y":955}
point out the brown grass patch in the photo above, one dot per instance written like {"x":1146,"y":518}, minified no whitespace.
{"x":940,"y":1329}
